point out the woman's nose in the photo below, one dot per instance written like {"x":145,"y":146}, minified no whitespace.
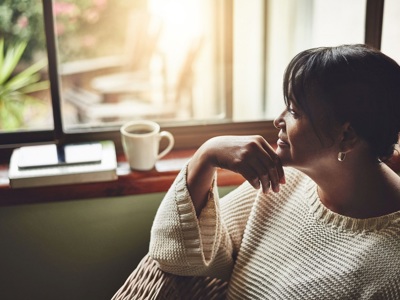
{"x":279,"y":122}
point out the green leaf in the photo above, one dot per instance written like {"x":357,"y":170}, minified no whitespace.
{"x":33,"y":68}
{"x":35,"y":87}
{"x":11,"y":59}
{"x":13,"y":111}
{"x":22,"y":82}
{"x":26,"y":77}
{"x":1,"y":53}
{"x":15,"y":88}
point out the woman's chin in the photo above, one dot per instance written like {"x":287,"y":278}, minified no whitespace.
{"x":283,"y":156}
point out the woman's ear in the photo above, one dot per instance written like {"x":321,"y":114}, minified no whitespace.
{"x":348,"y":138}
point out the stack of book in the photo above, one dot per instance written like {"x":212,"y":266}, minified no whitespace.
{"x":46,"y":165}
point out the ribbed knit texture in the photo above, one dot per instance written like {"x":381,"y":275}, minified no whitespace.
{"x":278,"y":246}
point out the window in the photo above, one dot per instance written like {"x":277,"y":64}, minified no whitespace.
{"x":279,"y":30}
{"x":391,"y":33}
{"x":25,"y":102}
{"x":199,"y":67}
{"x":159,"y":59}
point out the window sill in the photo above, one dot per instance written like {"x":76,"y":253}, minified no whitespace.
{"x":128,"y":183}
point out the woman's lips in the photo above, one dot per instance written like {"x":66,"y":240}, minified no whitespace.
{"x":282,"y":143}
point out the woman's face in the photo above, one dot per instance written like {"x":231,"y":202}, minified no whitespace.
{"x":298,"y":145}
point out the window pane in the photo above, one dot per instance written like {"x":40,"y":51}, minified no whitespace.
{"x":122,"y":60}
{"x":25,"y":102}
{"x":162,"y":59}
{"x":391,"y":29}
{"x":291,"y":26}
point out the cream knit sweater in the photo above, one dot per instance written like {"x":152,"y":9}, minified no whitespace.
{"x":278,"y":246}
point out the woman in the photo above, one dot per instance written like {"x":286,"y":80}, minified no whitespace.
{"x":319,"y":217}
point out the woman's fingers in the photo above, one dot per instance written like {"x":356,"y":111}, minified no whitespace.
{"x":274,"y":179}
{"x":275,"y":172}
{"x":259,"y":174}
{"x":255,"y":182}
{"x":274,"y":158}
{"x":265,"y":183}
{"x":252,"y":157}
{"x":268,"y":177}
{"x":269,"y":169}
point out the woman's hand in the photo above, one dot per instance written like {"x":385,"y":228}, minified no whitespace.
{"x":250,"y":156}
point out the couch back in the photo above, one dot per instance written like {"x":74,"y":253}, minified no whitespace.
{"x":74,"y":250}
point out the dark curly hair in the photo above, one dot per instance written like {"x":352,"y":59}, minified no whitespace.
{"x":357,"y":84}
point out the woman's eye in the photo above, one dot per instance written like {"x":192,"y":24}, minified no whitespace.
{"x":291,"y":111}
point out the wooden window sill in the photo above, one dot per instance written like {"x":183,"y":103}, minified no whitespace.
{"x":128,"y":183}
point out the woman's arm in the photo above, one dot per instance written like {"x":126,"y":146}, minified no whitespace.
{"x":251,"y":156}
{"x":188,"y":236}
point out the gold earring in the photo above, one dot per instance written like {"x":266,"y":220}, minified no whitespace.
{"x":341,"y":156}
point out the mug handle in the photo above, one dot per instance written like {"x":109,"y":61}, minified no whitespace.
{"x":170,"y":137}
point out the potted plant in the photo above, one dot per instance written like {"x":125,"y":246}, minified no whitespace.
{"x":16,"y":88}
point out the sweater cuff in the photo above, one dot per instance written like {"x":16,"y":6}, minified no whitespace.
{"x":178,"y":238}
{"x":209,"y":223}
{"x":199,"y":235}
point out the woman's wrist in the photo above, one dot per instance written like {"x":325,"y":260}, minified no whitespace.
{"x":200,"y":176}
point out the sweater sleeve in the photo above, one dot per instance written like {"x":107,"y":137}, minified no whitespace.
{"x":183,"y":244}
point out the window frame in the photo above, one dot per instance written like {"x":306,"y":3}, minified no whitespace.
{"x":187,"y":135}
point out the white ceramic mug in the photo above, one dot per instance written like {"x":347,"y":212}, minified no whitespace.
{"x":141,"y":142}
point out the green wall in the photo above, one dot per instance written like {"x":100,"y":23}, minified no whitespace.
{"x":73,"y":250}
